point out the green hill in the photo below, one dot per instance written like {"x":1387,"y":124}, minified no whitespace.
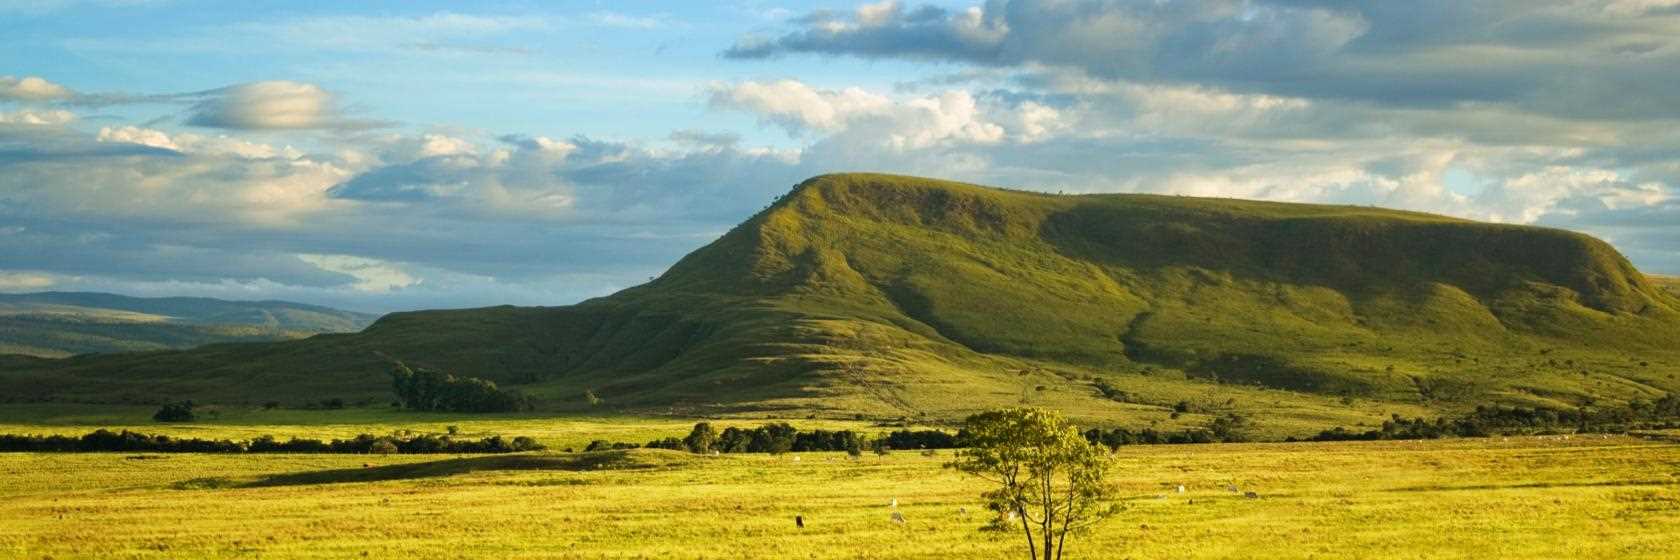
{"x":895,"y":296}
{"x":57,"y":324}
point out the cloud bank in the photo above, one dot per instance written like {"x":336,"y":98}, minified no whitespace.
{"x":1543,"y":112}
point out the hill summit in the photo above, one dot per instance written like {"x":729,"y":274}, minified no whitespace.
{"x":888,"y":295}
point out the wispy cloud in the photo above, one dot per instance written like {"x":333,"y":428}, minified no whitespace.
{"x":629,"y":21}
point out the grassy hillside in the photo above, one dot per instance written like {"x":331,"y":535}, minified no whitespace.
{"x":58,"y":324}
{"x":896,"y":296}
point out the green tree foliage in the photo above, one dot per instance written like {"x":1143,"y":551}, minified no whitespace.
{"x":430,"y":390}
{"x":604,"y":445}
{"x":703,"y":439}
{"x":176,"y":412}
{"x":775,"y":438}
{"x":1045,"y":473}
{"x":106,"y":440}
{"x":782,"y":437}
{"x":667,"y":443}
{"x":1662,"y":413}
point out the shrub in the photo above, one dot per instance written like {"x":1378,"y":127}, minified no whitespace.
{"x":526,"y":443}
{"x":382,"y":447}
{"x":1110,"y":391}
{"x":604,"y":445}
{"x":176,"y":412}
{"x":702,"y":439}
{"x":667,"y":443}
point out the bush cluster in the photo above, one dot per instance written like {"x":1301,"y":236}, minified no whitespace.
{"x":1229,"y":428}
{"x":431,"y":390}
{"x":106,"y":440}
{"x":176,"y":412}
{"x":782,"y":437}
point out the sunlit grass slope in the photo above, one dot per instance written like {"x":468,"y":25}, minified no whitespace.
{"x":1485,"y":498}
{"x":897,"y":296}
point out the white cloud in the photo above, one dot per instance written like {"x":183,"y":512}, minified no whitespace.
{"x":50,"y":117}
{"x":628,"y":21}
{"x":182,"y":178}
{"x":31,"y":88}
{"x":950,"y":117}
{"x":186,"y":142}
{"x":372,"y":275}
{"x":433,"y":145}
{"x":137,"y":135}
{"x":11,"y":281}
{"x":1527,"y":197}
{"x":878,"y":13}
{"x":271,"y":105}
{"x":796,"y":106}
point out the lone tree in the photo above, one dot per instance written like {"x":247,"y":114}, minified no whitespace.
{"x":1048,"y":476}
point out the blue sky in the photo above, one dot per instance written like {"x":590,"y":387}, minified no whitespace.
{"x":404,"y":155}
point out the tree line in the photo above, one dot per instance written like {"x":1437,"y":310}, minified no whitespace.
{"x":1662,"y":413}
{"x":431,"y":390}
{"x":127,"y":441}
{"x":781,"y":437}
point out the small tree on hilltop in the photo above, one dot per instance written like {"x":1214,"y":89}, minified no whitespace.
{"x":1045,"y":472}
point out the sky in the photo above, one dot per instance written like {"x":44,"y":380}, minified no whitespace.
{"x":386,"y":156}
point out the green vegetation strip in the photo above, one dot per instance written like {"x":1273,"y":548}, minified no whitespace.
{"x":126,"y":441}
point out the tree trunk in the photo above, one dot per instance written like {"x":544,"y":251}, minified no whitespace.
{"x":1032,"y":552}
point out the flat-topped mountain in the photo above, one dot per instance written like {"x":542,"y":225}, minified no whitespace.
{"x":887,"y":296}
{"x":56,"y":324}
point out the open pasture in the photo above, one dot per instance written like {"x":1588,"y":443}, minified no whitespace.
{"x":1531,"y":497}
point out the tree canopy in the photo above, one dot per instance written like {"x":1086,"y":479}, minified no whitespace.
{"x":1047,"y":476}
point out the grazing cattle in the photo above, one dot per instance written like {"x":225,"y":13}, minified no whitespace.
{"x":1251,"y":495}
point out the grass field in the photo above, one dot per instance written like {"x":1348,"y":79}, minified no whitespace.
{"x":1532,"y":497}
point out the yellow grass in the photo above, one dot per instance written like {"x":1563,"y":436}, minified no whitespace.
{"x":1582,"y":497}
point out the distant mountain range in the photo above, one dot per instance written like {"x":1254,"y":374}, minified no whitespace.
{"x":58,"y":324}
{"x":893,"y":296}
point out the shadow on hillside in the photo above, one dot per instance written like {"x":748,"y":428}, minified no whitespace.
{"x":574,"y":462}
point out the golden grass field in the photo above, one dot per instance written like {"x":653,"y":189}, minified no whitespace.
{"x":1529,"y":497}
